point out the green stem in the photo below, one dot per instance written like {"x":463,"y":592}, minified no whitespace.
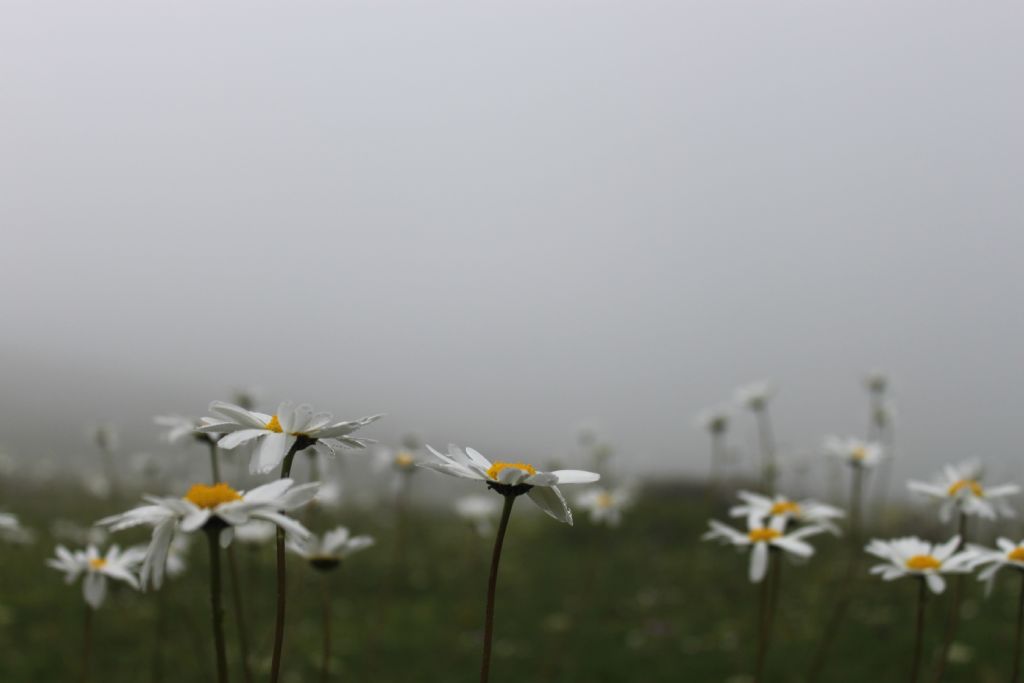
{"x":953,"y":618}
{"x":214,"y":464}
{"x":275,"y":663}
{"x":769,"y":598}
{"x":492,"y":586}
{"x":831,"y":629}
{"x":216,"y":606}
{"x":325,"y":666}
{"x":158,"y":663}
{"x":237,"y":606}
{"x":1020,"y":632}
{"x":922,"y":597}
{"x":87,"y":643}
{"x":767,"y":437}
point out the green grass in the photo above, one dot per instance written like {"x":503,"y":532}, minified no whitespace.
{"x":645,"y":602}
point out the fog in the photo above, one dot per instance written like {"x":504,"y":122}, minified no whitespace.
{"x":494,"y":220}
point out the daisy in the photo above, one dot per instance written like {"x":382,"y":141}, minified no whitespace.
{"x":513,"y":478}
{"x":289,"y":430}
{"x":958,"y":487}
{"x":755,"y":396}
{"x":876,"y":381}
{"x":714,"y":420}
{"x":1007,"y":554}
{"x":219,"y":508}
{"x":605,"y":506}
{"x":910,"y":556}
{"x":760,"y":538}
{"x":856,"y":453}
{"x":177,"y":428}
{"x":326,"y":553}
{"x":480,"y":511}
{"x":11,"y":531}
{"x":402,"y":460}
{"x":97,"y":569}
{"x":802,"y":512}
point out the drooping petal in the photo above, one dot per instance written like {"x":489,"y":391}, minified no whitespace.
{"x":758,"y":562}
{"x":550,"y":500}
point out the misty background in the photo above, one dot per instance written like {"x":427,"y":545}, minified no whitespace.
{"x":493,"y":221}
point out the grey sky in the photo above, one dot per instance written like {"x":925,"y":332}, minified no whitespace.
{"x":491,"y":220}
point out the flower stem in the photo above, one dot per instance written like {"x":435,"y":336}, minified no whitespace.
{"x":953,"y":618}
{"x":158,"y":654}
{"x":492,"y":585}
{"x":766,"y":615}
{"x":846,"y":588}
{"x":214,"y":464}
{"x":216,"y":606}
{"x":275,"y":663}
{"x":236,"y":604}
{"x":1020,"y":633}
{"x":766,"y":436}
{"x":87,"y":643}
{"x":325,"y":666}
{"x":922,"y":598}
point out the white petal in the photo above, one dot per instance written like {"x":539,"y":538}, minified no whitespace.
{"x":758,"y":562}
{"x":550,"y":500}
{"x":576,"y":476}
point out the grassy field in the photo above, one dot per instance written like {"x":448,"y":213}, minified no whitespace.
{"x":646,"y":602}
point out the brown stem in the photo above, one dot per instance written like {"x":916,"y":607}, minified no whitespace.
{"x":275,"y":662}
{"x":769,"y":598}
{"x":492,"y":585}
{"x":237,"y":607}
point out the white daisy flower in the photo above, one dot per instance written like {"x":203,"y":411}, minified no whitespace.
{"x":911,"y":556}
{"x":177,"y":428}
{"x":480,"y":510}
{"x":513,"y":478}
{"x":219,"y":506}
{"x":97,"y":569}
{"x":256,"y":532}
{"x":403,"y":460}
{"x":854,"y":452}
{"x":876,"y":381}
{"x":11,"y":530}
{"x":714,"y":420}
{"x":759,"y":538}
{"x":605,"y":506}
{"x":1007,"y":554}
{"x":959,"y":488}
{"x":755,"y":396}
{"x":326,"y":553}
{"x":288,"y":428}
{"x":802,"y":512}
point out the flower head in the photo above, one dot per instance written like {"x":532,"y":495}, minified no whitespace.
{"x":959,"y":487}
{"x":479,"y":510}
{"x":876,"y":381}
{"x":910,"y":556}
{"x":763,"y":508}
{"x":513,"y":478}
{"x":755,"y":396}
{"x":276,"y":434}
{"x":97,"y":569}
{"x":854,"y":452}
{"x":1006,"y":554}
{"x":327,"y":552}
{"x":759,"y":538}
{"x":219,"y":506}
{"x":12,"y":531}
{"x":715,"y":420}
{"x":177,"y":428}
{"x":605,"y":506}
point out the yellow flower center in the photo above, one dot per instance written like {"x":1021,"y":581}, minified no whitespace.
{"x":922,"y":562}
{"x":605,"y":500}
{"x":971,"y":485}
{"x":404,"y":459}
{"x":765,"y":534}
{"x":859,"y":453}
{"x":784,"y":507}
{"x":274,"y":424}
{"x":1017,"y":554}
{"x":209,"y":497}
{"x":498,"y":467}
{"x":97,"y":563}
